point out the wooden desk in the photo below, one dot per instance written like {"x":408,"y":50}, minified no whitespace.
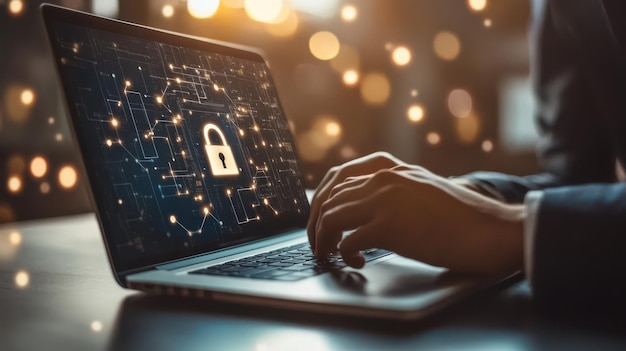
{"x":71,"y":302}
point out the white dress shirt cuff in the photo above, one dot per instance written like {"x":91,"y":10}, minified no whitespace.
{"x":532,"y":201}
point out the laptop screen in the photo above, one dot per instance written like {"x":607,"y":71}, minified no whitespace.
{"x":185,"y":143}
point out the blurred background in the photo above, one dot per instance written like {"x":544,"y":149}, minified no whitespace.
{"x":441,"y":83}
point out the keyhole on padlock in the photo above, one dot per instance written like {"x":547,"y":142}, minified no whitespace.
{"x":223,"y":158}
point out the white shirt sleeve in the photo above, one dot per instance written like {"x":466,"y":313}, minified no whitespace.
{"x":532,"y":201}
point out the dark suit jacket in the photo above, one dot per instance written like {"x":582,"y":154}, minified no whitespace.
{"x":579,"y":74}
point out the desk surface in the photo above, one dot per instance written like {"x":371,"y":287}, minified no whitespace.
{"x":57,"y":293}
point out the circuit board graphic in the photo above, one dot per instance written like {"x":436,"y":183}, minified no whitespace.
{"x":143,"y":107}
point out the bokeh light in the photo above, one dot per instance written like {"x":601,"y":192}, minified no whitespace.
{"x":68,"y":177}
{"x":38,"y":166}
{"x":350,"y":77}
{"x":44,"y":187}
{"x":447,"y":45}
{"x":16,"y":7}
{"x":487,"y":145}
{"x":15,"y":238}
{"x":433,"y":138}
{"x":167,"y":11}
{"x":467,"y":129}
{"x":18,"y":101}
{"x":375,"y":88}
{"x":9,"y":242}
{"x":415,"y":113}
{"x":96,"y":326}
{"x":265,"y":11}
{"x":27,"y":97}
{"x":477,"y":5}
{"x":348,"y":152}
{"x":333,"y":129}
{"x":14,"y":184}
{"x":401,"y":56}
{"x":202,"y":8}
{"x":285,"y":28}
{"x":349,"y":13}
{"x":22,"y":279}
{"x":460,"y":103}
{"x":487,"y":22}
{"x":324,"y":45}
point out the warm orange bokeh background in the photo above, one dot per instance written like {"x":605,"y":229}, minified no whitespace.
{"x":436,"y":82}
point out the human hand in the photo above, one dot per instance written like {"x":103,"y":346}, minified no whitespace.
{"x":358,"y":167}
{"x":417,"y":214}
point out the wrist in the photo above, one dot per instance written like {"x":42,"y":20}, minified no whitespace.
{"x":507,"y":236}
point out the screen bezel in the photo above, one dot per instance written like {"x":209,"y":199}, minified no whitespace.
{"x":52,"y":14}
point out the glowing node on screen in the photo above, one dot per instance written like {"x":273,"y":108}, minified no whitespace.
{"x":349,"y":13}
{"x":114,"y":122}
{"x":324,"y":45}
{"x":68,"y":177}
{"x":401,"y":56}
{"x":447,"y":45}
{"x":202,"y":8}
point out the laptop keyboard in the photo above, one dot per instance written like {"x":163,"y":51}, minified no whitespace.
{"x":287,"y":264}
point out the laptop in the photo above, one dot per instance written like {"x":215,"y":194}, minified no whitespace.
{"x":195,"y":180}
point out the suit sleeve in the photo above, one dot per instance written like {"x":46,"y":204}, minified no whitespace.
{"x":579,"y":246}
{"x":575,"y":142}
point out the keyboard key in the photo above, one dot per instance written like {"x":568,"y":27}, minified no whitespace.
{"x":286,"y":264}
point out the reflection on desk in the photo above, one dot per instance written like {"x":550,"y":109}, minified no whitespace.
{"x":57,"y":293}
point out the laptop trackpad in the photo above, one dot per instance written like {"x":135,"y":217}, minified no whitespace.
{"x":397,"y":276}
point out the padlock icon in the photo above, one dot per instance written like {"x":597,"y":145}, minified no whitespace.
{"x":221,"y":158}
